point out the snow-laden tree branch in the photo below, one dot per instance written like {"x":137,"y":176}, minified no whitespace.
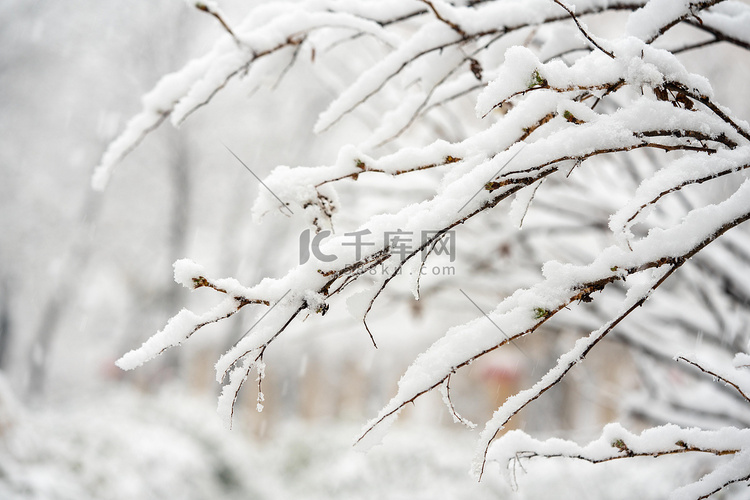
{"x":617,"y":443}
{"x":559,"y":105}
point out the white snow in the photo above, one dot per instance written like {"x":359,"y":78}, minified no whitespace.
{"x":550,"y":105}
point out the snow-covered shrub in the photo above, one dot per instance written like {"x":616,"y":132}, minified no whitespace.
{"x":621,"y":164}
{"x":124,"y":445}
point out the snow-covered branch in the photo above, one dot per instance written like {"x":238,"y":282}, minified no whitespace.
{"x":618,"y":443}
{"x":559,"y":113}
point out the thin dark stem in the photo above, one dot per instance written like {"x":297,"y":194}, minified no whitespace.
{"x":582,"y":30}
{"x":715,"y":375}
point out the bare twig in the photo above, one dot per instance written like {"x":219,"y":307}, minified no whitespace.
{"x":213,"y":12}
{"x":715,"y":375}
{"x":455,"y":27}
{"x":582,"y":30}
{"x":283,"y":204}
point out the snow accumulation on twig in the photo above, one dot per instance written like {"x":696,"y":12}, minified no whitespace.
{"x":543,"y":117}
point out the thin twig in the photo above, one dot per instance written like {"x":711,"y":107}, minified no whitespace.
{"x":210,"y":10}
{"x":717,"y":376}
{"x":582,"y":30}
{"x":455,"y":27}
{"x":283,"y":204}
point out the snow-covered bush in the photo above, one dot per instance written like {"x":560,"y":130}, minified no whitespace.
{"x":124,"y":445}
{"x":622,"y":165}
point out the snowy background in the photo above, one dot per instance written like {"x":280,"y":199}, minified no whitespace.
{"x":85,"y":276}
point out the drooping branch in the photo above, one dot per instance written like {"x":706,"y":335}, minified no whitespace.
{"x":706,"y":101}
{"x":716,"y":376}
